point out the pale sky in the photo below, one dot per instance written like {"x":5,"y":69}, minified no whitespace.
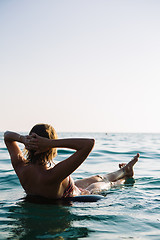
{"x":80,"y":65}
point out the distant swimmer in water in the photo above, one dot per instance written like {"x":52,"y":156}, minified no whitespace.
{"x":39,"y":177}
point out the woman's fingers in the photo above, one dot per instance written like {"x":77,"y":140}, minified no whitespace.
{"x":37,"y":143}
{"x":31,"y":147}
{"x":31,"y":143}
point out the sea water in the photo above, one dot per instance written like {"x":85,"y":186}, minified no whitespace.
{"x":130,"y":211}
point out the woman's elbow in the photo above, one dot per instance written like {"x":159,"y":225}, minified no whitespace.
{"x":91,"y":143}
{"x":5,"y":135}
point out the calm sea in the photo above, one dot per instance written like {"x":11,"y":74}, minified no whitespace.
{"x":127,"y":212}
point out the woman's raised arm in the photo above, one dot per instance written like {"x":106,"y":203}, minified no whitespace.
{"x":63,"y":169}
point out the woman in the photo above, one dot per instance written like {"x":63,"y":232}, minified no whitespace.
{"x":39,"y":178}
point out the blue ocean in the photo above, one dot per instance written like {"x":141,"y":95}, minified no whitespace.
{"x":130,"y":211}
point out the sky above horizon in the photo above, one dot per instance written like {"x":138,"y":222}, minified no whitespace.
{"x":81,"y":66}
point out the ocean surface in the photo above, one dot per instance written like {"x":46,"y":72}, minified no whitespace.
{"x":131,"y":211}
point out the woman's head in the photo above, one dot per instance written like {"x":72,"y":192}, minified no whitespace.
{"x":47,"y":131}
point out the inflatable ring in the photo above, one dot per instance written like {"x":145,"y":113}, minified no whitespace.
{"x":84,"y":198}
{"x":81,"y":198}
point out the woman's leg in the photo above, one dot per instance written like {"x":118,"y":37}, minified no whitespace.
{"x":99,"y":186}
{"x":124,"y":172}
{"x":85,"y":182}
{"x":113,"y":179}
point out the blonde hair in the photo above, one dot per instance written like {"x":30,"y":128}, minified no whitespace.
{"x":47,"y":131}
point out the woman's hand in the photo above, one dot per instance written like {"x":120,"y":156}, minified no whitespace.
{"x":37,"y":143}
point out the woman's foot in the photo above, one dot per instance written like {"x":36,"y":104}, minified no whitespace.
{"x":128,"y":168}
